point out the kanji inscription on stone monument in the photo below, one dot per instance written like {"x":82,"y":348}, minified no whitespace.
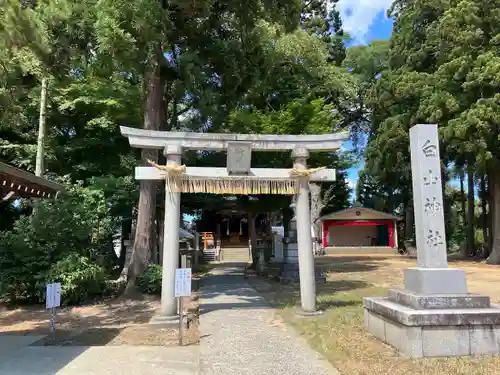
{"x":428,"y":197}
{"x":432,"y":205}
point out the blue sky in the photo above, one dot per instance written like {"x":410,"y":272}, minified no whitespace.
{"x":364,"y":20}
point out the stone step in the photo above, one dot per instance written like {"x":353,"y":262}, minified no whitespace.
{"x":209,"y":254}
{"x":235,"y":254}
{"x":241,"y":253}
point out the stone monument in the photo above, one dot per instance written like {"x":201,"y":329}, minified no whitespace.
{"x":289,"y":269}
{"x":434,"y":315}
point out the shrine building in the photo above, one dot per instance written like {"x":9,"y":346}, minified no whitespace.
{"x":359,"y":227}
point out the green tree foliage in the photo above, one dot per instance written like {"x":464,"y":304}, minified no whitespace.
{"x":371,"y":194}
{"x":321,"y":18}
{"x":150,"y":280}
{"x":367,"y":63}
{"x":259,"y":66}
{"x":78,"y":223}
{"x":441,"y":69}
{"x":80,"y":277}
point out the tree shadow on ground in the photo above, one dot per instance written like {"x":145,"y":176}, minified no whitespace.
{"x":350,"y":264}
{"x":229,"y":282}
{"x":281,"y":295}
{"x":116,"y":312}
{"x":87,"y":337}
{"x":325,"y":305}
{"x":25,"y":355}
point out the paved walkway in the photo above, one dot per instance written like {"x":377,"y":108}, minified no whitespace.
{"x":22,"y":359}
{"x":238,"y":337}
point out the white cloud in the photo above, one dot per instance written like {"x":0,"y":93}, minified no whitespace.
{"x":359,"y":15}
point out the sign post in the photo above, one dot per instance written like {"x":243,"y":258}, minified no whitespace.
{"x":53,"y":300}
{"x":182,"y":289}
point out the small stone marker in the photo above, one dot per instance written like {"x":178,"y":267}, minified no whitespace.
{"x":52,"y":300}
{"x":183,"y":279}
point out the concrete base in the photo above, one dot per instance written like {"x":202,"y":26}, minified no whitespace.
{"x":438,"y":301}
{"x":164,"y":321}
{"x":308,"y":314}
{"x":434,"y":332}
{"x":435,"y":280}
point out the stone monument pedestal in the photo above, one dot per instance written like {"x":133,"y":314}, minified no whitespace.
{"x":434,"y":315}
{"x":434,"y":325}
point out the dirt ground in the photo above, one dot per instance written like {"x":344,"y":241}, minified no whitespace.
{"x":387,"y":271}
{"x":119,"y":321}
{"x":339,"y":333}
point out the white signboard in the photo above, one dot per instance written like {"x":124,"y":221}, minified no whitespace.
{"x":183,"y":282}
{"x":53,"y":294}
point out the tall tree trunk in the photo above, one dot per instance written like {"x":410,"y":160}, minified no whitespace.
{"x":491,"y":207}
{"x":484,"y":216}
{"x":316,"y":207}
{"x":463,"y":214}
{"x":447,"y":203}
{"x":409,"y":222}
{"x":40,"y":150}
{"x":494,"y":180}
{"x":252,"y":233}
{"x":463,"y":199}
{"x":470,"y":211}
{"x":145,"y":234}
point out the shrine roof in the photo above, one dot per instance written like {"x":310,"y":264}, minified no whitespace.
{"x":23,"y":184}
{"x":359,"y":213}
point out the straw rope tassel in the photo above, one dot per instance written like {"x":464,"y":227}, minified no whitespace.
{"x":304,"y":172}
{"x":169,"y":168}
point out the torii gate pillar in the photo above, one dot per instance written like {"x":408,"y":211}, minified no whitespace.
{"x":171,"y":238}
{"x":304,"y":238}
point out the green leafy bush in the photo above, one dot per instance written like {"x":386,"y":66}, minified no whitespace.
{"x":81,"y":279}
{"x":75,"y":229}
{"x":150,"y":281}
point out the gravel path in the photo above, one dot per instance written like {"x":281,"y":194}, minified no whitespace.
{"x":240,"y":336}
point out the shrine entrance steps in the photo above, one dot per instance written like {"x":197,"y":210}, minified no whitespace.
{"x":235,"y":254}
{"x":240,"y":334}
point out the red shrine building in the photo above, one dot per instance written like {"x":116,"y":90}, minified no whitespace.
{"x":359,"y":227}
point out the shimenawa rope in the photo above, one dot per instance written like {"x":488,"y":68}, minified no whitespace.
{"x":178,"y":181}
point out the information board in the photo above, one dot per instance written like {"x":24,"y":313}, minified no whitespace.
{"x":182,"y":282}
{"x":53,"y":295}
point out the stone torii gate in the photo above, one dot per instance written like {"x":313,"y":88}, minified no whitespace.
{"x":237,"y":178}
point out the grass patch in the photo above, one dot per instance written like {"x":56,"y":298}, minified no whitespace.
{"x":340,"y":336}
